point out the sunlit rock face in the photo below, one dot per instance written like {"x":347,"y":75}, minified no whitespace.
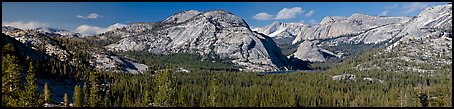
{"x":212,"y":33}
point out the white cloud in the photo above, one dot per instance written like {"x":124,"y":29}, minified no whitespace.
{"x":408,"y":8}
{"x":88,"y":29}
{"x":310,"y":13}
{"x":283,"y":14}
{"x":92,"y":30}
{"x":288,"y":13}
{"x":90,"y":16}
{"x":313,"y":22}
{"x":25,"y":25}
{"x":384,"y":13}
{"x":262,"y":16}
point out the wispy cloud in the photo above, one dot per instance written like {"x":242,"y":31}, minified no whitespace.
{"x":262,"y":16}
{"x":288,"y":13}
{"x":310,"y":13}
{"x":25,"y":25}
{"x":283,"y":14}
{"x":412,"y":7}
{"x":90,"y":16}
{"x":92,"y":30}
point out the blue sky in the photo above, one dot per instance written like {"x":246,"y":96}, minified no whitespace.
{"x":83,"y":16}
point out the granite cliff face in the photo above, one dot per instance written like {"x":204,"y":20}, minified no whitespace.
{"x":309,"y":51}
{"x":212,"y":33}
{"x":331,"y":27}
{"x":427,"y":38}
{"x":424,"y":45}
{"x":432,"y":20}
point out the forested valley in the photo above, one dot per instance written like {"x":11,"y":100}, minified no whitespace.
{"x":216,"y":83}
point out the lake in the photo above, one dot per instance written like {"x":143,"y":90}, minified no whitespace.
{"x":284,"y":72}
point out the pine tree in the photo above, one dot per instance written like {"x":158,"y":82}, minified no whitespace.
{"x":108,"y":96}
{"x":95,"y":99}
{"x":213,"y":92}
{"x":65,"y":99}
{"x":10,"y":74}
{"x":147,"y":99}
{"x":11,"y":94}
{"x":77,"y":97}
{"x":164,"y":89}
{"x":32,"y":87}
{"x":181,"y":99}
{"x":47,"y":94}
{"x":64,"y":69}
{"x":85,"y":95}
{"x":40,"y":102}
{"x":53,"y":68}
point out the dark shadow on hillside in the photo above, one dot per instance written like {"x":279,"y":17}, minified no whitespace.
{"x":297,"y":64}
{"x":127,"y":64}
{"x":275,"y":53}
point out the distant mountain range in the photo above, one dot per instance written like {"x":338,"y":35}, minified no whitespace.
{"x":359,"y":30}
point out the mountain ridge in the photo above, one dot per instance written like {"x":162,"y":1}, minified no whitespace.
{"x":369,"y":29}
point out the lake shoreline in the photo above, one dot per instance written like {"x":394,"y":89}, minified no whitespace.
{"x":284,"y":72}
